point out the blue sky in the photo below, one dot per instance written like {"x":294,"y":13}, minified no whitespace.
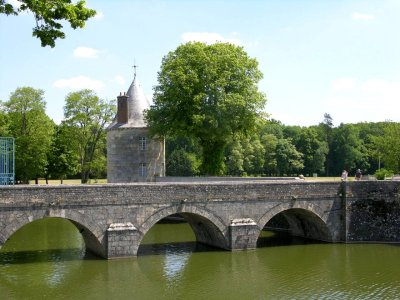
{"x":339,"y":57}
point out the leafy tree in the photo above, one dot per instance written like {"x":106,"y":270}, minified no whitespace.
{"x":4,"y":123}
{"x":182,"y":163}
{"x":48,"y":15}
{"x":369,"y":130}
{"x":326,"y":130}
{"x":86,"y":117}
{"x":314,"y":151}
{"x":388,"y":146}
{"x":62,"y":161}
{"x":289,"y":160}
{"x":234,"y":159}
{"x":183,"y":156}
{"x":32,"y":130}
{"x":270,"y":141}
{"x":349,"y":151}
{"x":209,"y":93}
{"x":245,"y":155}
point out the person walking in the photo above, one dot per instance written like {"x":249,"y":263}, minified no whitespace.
{"x":344,"y":175}
{"x":358,"y":174}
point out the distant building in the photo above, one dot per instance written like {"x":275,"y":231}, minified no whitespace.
{"x":132,"y":156}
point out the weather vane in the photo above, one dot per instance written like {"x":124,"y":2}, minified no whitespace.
{"x":134,"y":68}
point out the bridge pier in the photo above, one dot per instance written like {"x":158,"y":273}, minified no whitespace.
{"x":243,"y":234}
{"x":121,"y":240}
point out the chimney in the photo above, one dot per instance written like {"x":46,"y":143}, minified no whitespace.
{"x":122,"y":109}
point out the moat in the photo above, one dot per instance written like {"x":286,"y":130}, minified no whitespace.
{"x":46,"y":260}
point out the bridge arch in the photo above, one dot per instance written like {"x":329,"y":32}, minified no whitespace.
{"x":207,"y":227}
{"x":92,"y":242}
{"x":304,"y":219}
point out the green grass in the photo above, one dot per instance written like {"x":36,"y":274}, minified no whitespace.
{"x":69,"y":181}
{"x":104,"y":181}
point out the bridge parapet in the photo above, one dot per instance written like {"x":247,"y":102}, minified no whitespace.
{"x":330,"y":211}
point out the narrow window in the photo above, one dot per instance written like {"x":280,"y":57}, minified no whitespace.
{"x":142,"y":143}
{"x":142,"y":170}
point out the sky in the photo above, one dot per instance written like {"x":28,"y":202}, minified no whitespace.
{"x":340,"y":57}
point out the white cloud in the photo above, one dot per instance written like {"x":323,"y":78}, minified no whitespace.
{"x":86,"y":52}
{"x":119,"y":79}
{"x":385,"y":90}
{"x":363,"y":16}
{"x":208,"y":38}
{"x":343,"y":84}
{"x":79,"y":82}
{"x":99,"y":15}
{"x":373,"y":100}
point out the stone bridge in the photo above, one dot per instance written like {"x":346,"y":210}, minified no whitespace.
{"x":113,"y":218}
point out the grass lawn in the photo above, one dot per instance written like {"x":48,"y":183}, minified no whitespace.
{"x":69,"y":181}
{"x":103,"y":181}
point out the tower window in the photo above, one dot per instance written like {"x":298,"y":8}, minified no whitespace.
{"x":142,"y":143}
{"x":142,"y":170}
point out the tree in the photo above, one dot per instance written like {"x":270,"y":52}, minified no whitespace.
{"x":289,"y":160}
{"x":208,"y":92}
{"x":4,"y":123}
{"x":182,"y":163}
{"x":48,"y":14}
{"x":32,"y":130}
{"x":270,"y":142}
{"x":327,"y":128}
{"x":62,"y":160}
{"x":388,"y":146}
{"x":348,"y":150}
{"x":86,"y":117}
{"x":245,"y":155}
{"x":314,"y":151}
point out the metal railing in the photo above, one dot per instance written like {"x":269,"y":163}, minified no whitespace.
{"x":7,"y":161}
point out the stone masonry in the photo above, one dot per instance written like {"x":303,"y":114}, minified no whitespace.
{"x":113,"y":218}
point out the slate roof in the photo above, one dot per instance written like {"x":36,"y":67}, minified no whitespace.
{"x":137,"y":103}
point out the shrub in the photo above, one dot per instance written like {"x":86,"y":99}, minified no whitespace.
{"x":381,"y":174}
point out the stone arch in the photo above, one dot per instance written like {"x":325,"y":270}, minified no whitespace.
{"x":92,"y":242}
{"x":304,"y":218}
{"x":208,"y":228}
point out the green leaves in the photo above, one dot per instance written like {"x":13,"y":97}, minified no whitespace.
{"x":387,"y":146}
{"x":86,"y":117}
{"x":208,"y":92}
{"x":32,"y":130}
{"x":48,"y":14}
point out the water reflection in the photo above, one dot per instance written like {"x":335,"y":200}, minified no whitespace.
{"x":171,"y":265}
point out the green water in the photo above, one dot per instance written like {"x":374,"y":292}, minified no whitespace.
{"x":46,"y":260}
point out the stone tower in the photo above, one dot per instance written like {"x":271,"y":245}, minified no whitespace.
{"x":132,"y":156}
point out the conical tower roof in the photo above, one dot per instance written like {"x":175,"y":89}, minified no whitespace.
{"x":137,"y":103}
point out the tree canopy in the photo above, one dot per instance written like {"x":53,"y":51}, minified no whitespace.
{"x":207,"y":92}
{"x":32,"y":130}
{"x":48,"y":15}
{"x":86,"y":117}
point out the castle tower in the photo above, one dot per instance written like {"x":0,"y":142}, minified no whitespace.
{"x":132,"y":156}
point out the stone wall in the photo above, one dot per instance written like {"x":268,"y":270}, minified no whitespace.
{"x":373,"y":211}
{"x":114,"y":218}
{"x":125,"y":156}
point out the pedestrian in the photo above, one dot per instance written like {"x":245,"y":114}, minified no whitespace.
{"x":344,"y":175}
{"x":358,"y":174}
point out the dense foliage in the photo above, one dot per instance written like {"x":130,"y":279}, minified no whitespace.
{"x":279,"y":150}
{"x":48,"y":15}
{"x":76,"y":147}
{"x":32,"y":129}
{"x":208,"y":93}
